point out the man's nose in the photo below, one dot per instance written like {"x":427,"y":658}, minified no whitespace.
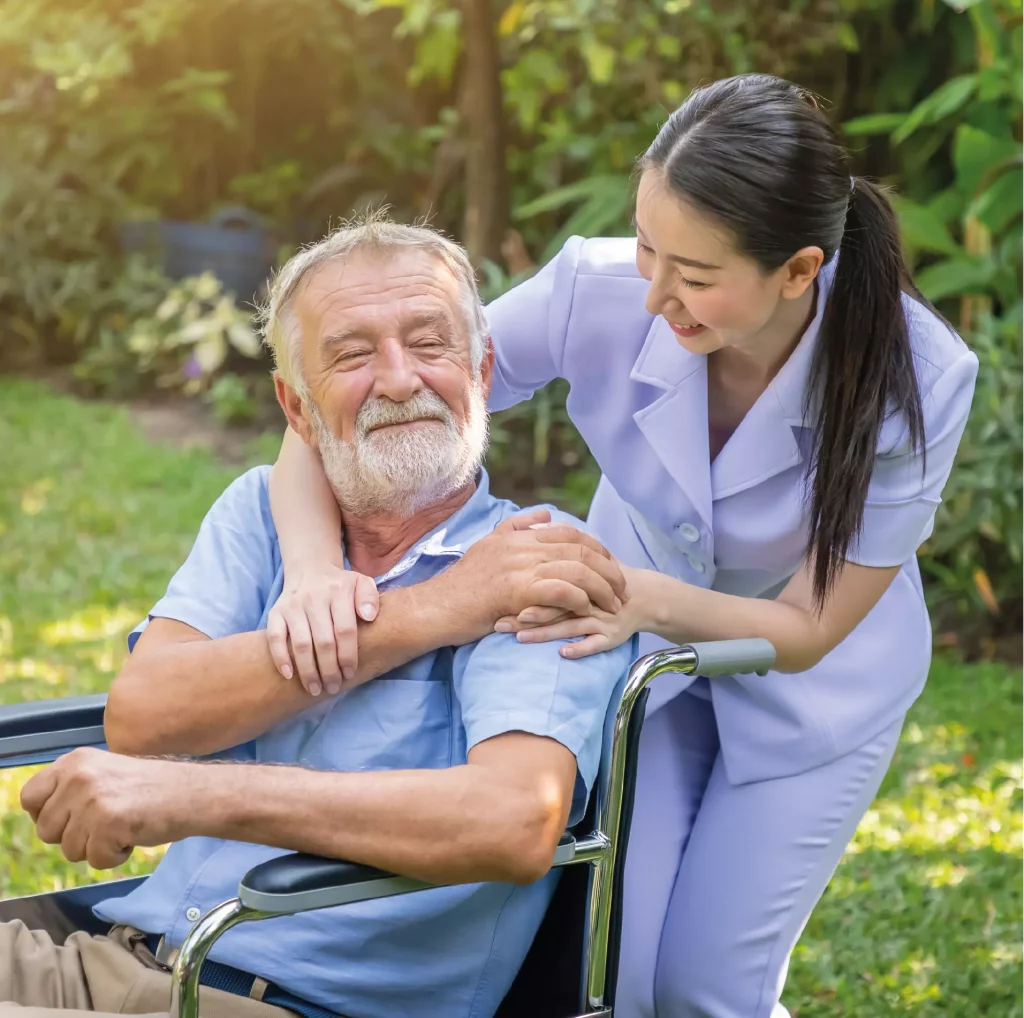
{"x":395,"y":373}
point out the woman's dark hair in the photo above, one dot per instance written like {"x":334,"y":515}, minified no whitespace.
{"x":757,"y":154}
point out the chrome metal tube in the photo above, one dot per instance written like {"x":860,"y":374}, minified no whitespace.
{"x":609,"y":815}
{"x":193,"y":952}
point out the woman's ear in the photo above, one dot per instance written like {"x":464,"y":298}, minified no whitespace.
{"x":800,"y":271}
{"x":294,"y":409}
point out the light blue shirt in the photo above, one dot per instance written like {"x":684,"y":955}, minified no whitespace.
{"x":441,"y":953}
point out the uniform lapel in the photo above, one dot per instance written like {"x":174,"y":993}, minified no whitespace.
{"x":676,"y":424}
{"x":765,"y":443}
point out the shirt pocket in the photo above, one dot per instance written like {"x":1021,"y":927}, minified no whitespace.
{"x":385,"y":724}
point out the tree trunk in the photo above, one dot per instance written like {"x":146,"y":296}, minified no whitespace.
{"x":483,"y":126}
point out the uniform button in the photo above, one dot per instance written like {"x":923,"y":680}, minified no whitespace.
{"x":695,"y":564}
{"x":192,"y":914}
{"x":688,"y":532}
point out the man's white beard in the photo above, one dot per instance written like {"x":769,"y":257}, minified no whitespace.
{"x":400,"y":470}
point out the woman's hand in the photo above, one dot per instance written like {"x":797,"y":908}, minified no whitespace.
{"x":600,"y":630}
{"x":316,"y":614}
{"x":528,"y":560}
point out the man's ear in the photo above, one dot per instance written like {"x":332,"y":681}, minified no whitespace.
{"x":800,"y":271}
{"x":487,"y":368}
{"x":294,"y":409}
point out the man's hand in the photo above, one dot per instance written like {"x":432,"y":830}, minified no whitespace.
{"x":528,"y":561}
{"x":98,"y":806}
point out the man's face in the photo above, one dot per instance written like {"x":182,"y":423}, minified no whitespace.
{"x":395,"y":406}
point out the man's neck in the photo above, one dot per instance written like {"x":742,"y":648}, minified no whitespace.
{"x":373,"y":544}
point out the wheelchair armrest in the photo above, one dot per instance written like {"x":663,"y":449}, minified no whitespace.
{"x":733,"y":657}
{"x":301,"y":883}
{"x":40,"y":731}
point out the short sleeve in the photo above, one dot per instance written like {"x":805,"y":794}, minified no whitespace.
{"x":528,"y":328}
{"x":906,"y":488}
{"x":506,"y":686}
{"x":223,"y":586}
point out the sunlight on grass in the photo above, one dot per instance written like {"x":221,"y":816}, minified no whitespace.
{"x":923,"y":916}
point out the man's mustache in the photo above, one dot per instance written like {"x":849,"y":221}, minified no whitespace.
{"x":379,"y":411}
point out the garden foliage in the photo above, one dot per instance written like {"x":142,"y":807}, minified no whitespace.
{"x":112,"y":110}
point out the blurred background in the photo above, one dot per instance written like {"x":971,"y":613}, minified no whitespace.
{"x":158,"y":158}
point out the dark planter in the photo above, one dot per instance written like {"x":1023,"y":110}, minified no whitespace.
{"x":235,"y":245}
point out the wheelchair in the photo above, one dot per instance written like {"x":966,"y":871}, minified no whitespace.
{"x":571,"y":967}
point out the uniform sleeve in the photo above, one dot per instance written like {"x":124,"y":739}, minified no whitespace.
{"x":906,"y":489}
{"x":223,"y":586}
{"x":506,"y":686}
{"x":528,"y":328}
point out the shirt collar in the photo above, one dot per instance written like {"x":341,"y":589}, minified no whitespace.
{"x":476,"y":518}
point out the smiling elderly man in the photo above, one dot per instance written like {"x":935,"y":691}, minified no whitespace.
{"x":462,"y":764}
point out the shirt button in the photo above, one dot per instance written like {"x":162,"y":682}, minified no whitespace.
{"x":688,"y":532}
{"x":192,"y":914}
{"x":695,"y":564}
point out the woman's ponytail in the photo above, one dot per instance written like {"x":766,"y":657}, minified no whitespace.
{"x":862,"y":373}
{"x":757,"y":154}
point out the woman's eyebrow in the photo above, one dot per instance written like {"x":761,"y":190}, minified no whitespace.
{"x":679,"y":259}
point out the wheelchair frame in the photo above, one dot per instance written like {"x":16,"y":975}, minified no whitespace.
{"x":41,"y":731}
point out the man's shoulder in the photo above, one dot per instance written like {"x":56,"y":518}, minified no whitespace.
{"x":505,"y":509}
{"x":245,"y":502}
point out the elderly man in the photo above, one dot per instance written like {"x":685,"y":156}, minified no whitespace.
{"x":455,"y":754}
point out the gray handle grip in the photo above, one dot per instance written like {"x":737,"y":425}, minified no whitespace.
{"x":733,"y":657}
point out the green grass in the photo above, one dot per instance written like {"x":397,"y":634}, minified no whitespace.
{"x":923,"y":916}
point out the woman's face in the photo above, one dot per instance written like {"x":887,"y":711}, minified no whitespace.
{"x":711,"y":295}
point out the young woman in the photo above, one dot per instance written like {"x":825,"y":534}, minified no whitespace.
{"x":775,"y":411}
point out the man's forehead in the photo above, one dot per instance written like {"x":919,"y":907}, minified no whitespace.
{"x":411,"y":281}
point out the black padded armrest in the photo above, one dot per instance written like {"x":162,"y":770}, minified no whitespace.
{"x":43,"y":729}
{"x":300,"y":882}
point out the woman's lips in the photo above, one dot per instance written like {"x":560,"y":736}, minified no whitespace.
{"x":681,"y":330}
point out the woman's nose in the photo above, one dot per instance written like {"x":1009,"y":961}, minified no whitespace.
{"x":659,"y":296}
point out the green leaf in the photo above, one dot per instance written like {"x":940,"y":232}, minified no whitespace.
{"x":1001,"y":202}
{"x":589,"y":187}
{"x":923,"y":230}
{"x":873,"y":123}
{"x":955,"y":276}
{"x":946,"y":100}
{"x":600,"y":59}
{"x":846,"y":36}
{"x":977,"y":152}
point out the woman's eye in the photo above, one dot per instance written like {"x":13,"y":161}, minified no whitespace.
{"x":694,"y":285}
{"x":643,"y":247}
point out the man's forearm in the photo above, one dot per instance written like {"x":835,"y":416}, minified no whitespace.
{"x":445,"y":826}
{"x":199,"y":696}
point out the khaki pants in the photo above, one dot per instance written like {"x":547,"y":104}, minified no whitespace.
{"x":102,"y":975}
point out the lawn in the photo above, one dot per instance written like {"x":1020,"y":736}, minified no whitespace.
{"x":923,"y":916}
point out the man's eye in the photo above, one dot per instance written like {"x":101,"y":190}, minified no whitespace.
{"x":350,"y":356}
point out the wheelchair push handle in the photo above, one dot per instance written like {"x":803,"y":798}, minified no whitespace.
{"x":733,"y":657}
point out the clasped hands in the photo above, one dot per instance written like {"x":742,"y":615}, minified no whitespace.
{"x":531,"y":577}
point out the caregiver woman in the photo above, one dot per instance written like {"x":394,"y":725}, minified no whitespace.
{"x":775,"y":411}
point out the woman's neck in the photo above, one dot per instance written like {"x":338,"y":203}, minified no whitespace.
{"x":763,"y":354}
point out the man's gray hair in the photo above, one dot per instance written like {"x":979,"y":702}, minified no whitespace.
{"x":378,"y":234}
